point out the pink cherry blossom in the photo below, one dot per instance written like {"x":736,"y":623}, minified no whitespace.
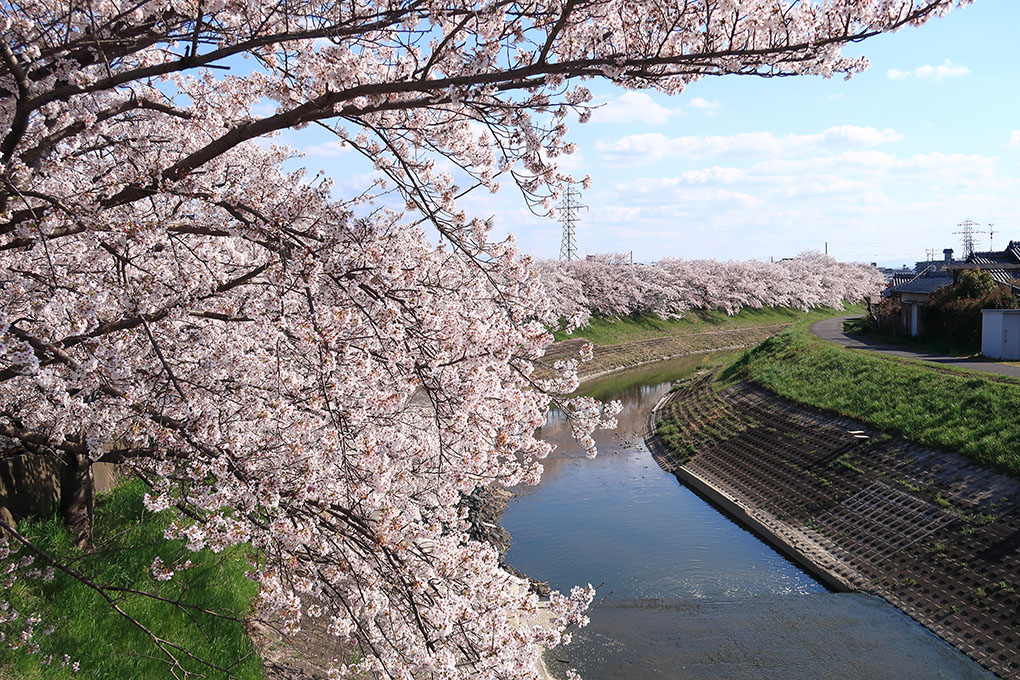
{"x":310,"y":373}
{"x":611,"y":286}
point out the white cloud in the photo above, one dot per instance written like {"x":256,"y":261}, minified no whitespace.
{"x":1014,"y":140}
{"x":869,"y":204}
{"x":947,"y":69}
{"x":714,"y":176}
{"x":854,"y":186}
{"x":325,"y":149}
{"x":620,"y":213}
{"x":699,"y":103}
{"x":635,"y":148}
{"x":633,"y":107}
{"x":921,"y":172}
{"x":855,"y":136}
{"x":653,"y":147}
{"x":573,"y":164}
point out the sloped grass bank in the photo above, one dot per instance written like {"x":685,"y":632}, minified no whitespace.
{"x":930,"y":532}
{"x":104,"y":643}
{"x":954,"y":410}
{"x":605,"y":331}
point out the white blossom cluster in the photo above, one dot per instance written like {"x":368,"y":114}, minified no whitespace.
{"x":610,"y":286}
{"x":304,"y":371}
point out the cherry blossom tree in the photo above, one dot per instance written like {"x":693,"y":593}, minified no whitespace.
{"x":611,"y":286}
{"x":290,"y":368}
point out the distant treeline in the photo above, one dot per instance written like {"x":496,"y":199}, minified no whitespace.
{"x":609,"y":285}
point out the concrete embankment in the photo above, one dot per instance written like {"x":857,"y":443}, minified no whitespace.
{"x":933,"y":534}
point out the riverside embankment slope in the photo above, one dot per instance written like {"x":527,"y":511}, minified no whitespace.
{"x":608,"y":359}
{"x":932,"y":533}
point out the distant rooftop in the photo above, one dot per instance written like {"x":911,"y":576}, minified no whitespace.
{"x":928,"y":281}
{"x":1011,"y":255}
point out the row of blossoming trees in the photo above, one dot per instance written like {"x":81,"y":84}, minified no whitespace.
{"x":283,"y":366}
{"x":610,"y":286}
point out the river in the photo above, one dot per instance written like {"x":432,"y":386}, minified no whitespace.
{"x":683,"y":591}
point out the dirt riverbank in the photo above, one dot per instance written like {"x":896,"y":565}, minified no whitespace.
{"x":933,"y":534}
{"x":611,"y":358}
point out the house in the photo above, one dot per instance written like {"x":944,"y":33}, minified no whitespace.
{"x":1003,"y":265}
{"x":902,"y":314}
{"x":894,"y":276}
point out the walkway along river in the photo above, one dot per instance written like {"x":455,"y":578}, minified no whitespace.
{"x":685,"y":592}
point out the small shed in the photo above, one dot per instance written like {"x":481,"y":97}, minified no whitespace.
{"x":1000,"y":333}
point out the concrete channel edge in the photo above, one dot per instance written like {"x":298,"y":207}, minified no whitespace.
{"x":762,"y":524}
{"x":935,"y":535}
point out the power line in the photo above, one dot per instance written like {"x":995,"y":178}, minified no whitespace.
{"x":569,"y":207}
{"x":967,"y":232}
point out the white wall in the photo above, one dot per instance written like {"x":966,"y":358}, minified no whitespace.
{"x":1000,"y":333}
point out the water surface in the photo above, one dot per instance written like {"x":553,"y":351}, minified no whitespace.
{"x":683,"y":591}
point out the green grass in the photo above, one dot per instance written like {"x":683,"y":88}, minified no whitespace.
{"x":607,"y":387}
{"x":950,"y":409}
{"x":106,"y":644}
{"x":861,"y":328}
{"x":603,"y":331}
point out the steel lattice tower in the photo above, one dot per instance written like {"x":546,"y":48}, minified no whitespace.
{"x":967,"y":232}
{"x":569,"y":207}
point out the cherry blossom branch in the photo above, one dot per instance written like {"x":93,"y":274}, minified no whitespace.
{"x":167,"y":647}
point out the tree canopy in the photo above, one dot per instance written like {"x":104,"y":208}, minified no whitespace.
{"x":291,"y":368}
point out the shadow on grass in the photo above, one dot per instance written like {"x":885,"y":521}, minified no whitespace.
{"x":860,"y":330}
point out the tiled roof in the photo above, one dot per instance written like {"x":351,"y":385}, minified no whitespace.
{"x":1007,"y":277}
{"x":992,"y":258}
{"x":922,"y":283}
{"x":1011,"y":255}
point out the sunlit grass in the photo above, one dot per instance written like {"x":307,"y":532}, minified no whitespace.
{"x":950,"y":409}
{"x":608,"y":387}
{"x":106,"y":644}
{"x":603,"y":331}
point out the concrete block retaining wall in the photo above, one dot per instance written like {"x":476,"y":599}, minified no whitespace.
{"x":932,"y":533}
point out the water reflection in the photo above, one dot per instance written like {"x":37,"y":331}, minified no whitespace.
{"x":687,"y":593}
{"x":620,"y":520}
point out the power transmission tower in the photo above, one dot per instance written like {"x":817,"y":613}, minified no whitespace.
{"x":967,"y":233}
{"x":569,"y":207}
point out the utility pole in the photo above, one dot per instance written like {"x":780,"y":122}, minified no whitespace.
{"x":569,"y":207}
{"x":991,"y":235}
{"x":967,"y":232}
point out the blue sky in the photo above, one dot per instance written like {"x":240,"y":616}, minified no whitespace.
{"x":881,"y":167}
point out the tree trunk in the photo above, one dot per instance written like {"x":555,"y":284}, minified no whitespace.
{"x":77,"y":498}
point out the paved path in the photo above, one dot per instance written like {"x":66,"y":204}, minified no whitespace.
{"x":832,"y":330}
